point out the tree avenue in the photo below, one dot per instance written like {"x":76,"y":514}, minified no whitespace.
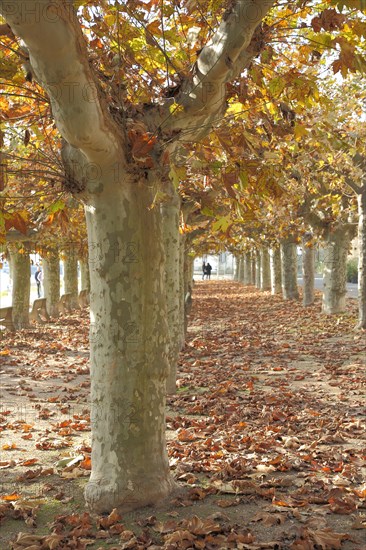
{"x":115,"y":164}
{"x":130,"y":97}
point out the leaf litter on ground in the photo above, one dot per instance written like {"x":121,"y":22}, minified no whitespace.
{"x":266,"y":432}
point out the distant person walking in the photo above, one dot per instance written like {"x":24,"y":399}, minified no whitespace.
{"x":39,"y":277}
{"x":208,"y":271}
{"x":203,"y":270}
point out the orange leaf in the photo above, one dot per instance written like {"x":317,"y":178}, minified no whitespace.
{"x":86,"y":464}
{"x":280,"y":503}
{"x":13,"y":496}
{"x":29,"y":462}
{"x":9,"y":446}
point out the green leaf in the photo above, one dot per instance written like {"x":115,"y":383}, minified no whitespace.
{"x":177,"y":175}
{"x":276,"y":86}
{"x":7,"y":68}
{"x":243,"y":177}
{"x":221,"y":224}
{"x":207,"y":212}
{"x":56,"y":206}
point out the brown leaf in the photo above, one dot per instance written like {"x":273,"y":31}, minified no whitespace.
{"x":198,"y":526}
{"x":26,"y":137}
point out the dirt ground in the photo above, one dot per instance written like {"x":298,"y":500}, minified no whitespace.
{"x":266,"y":434}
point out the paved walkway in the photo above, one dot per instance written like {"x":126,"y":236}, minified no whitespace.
{"x":352,"y":290}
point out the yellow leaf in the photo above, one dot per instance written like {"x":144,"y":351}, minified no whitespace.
{"x":299,"y":131}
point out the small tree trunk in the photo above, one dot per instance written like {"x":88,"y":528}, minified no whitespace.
{"x":85,"y":276}
{"x":247,"y":269}
{"x":257,"y":269}
{"x":51,"y":281}
{"x":290,"y":289}
{"x":188,"y":271}
{"x":170,"y":215}
{"x":237,"y":267}
{"x":275,"y":266}
{"x":308,"y":270}
{"x":265,"y":277}
{"x":191,"y":269}
{"x":241,"y":269}
{"x":71,"y":276}
{"x":253,"y":267}
{"x":362,"y":258}
{"x":335,"y":270}
{"x":236,"y":272}
{"x":21,"y":273}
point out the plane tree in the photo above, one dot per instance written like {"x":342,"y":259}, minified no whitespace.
{"x":131,"y":87}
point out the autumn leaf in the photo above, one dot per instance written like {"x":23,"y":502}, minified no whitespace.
{"x":13,"y":496}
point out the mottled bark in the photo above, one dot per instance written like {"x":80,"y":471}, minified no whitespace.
{"x":129,"y":340}
{"x":170,"y":215}
{"x":335,"y":270}
{"x":290,"y":289}
{"x":71,"y":276}
{"x":84,"y":274}
{"x":275,"y":266}
{"x":21,"y":273}
{"x":308,"y":270}
{"x":182,"y":244}
{"x":362,"y":258}
{"x":265,"y":272}
{"x":51,"y":281}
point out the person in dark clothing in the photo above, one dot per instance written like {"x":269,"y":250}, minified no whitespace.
{"x":203,"y":270}
{"x":38,"y":277}
{"x":208,"y":270}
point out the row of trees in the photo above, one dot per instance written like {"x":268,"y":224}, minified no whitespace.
{"x":18,"y":255}
{"x":135,"y":89}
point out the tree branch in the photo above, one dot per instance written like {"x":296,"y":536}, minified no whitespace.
{"x":229,"y":51}
{"x":356,"y":188}
{"x":15,"y":236}
{"x":59,"y":58}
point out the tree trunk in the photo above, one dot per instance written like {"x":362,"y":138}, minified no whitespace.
{"x":335,"y":270}
{"x":247,"y":269}
{"x":188,"y":276}
{"x":182,"y":317}
{"x":237,"y":267}
{"x":170,"y":216}
{"x":265,"y":277}
{"x":253,"y":268}
{"x":241,"y":269}
{"x":71,"y":276}
{"x":257,"y":269}
{"x":129,"y":364}
{"x":275,"y":266}
{"x":21,"y":273}
{"x":51,"y":281}
{"x":85,"y":275}
{"x":362,"y":258}
{"x":308,"y":270}
{"x":290,"y":290}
